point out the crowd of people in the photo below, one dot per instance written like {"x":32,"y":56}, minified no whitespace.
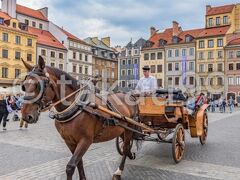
{"x":221,"y":104}
{"x":10,"y":104}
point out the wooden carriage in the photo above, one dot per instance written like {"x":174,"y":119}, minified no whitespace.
{"x":170,"y":118}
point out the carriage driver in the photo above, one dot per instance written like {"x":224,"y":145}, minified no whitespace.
{"x":147,"y":84}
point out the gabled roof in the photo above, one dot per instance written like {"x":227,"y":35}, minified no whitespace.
{"x":234,"y":42}
{"x":98,"y":43}
{"x":193,"y":32}
{"x":220,"y":10}
{"x":46,"y":38}
{"x":216,"y":31}
{"x":72,"y":37}
{"x":30,"y":12}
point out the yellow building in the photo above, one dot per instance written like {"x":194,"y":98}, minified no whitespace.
{"x":15,"y":43}
{"x":220,"y":23}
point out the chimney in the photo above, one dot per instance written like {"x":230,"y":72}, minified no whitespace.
{"x":152,"y":31}
{"x":44,"y":11}
{"x":106,"y":41}
{"x":208,"y":7}
{"x":9,"y":7}
{"x":176,"y":28}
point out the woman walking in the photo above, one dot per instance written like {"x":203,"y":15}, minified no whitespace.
{"x":3,"y":111}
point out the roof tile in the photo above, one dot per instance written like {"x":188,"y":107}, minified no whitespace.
{"x":216,"y":31}
{"x":220,"y":10}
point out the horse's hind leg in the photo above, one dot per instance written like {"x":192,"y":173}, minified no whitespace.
{"x":81,"y":170}
{"x":80,"y":150}
{"x":126,"y":152}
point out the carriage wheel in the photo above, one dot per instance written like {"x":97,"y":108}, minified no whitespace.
{"x":203,"y":138}
{"x":120,"y":143}
{"x":178,"y":143}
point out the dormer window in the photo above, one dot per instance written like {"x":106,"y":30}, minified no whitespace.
{"x":225,"y":19}
{"x":175,"y":40}
{"x":14,"y":25}
{"x":148,"y":44}
{"x":188,"y":38}
{"x":162,"y":42}
{"x":1,"y":21}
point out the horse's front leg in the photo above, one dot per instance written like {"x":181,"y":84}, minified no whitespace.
{"x":80,"y":150}
{"x":126,"y":152}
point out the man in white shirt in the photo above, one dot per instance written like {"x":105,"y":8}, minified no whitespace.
{"x":147,"y":84}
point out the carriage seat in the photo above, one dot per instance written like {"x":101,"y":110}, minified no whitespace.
{"x":177,"y":94}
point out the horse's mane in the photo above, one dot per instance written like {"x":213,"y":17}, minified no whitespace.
{"x":58,"y":73}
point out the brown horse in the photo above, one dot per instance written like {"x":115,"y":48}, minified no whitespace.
{"x":84,"y":129}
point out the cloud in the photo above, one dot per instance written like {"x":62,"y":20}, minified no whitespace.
{"x":123,"y":19}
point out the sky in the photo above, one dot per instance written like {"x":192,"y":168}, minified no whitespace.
{"x":123,"y":20}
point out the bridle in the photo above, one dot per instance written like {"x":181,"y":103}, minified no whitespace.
{"x":41,"y":87}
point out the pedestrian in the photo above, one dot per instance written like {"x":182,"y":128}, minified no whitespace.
{"x":4,"y":111}
{"x":224,"y":103}
{"x":220,"y":105}
{"x":231,"y":104}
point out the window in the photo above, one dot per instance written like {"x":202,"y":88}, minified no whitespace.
{"x":146,"y":56}
{"x":80,"y":56}
{"x":4,"y":72}
{"x":230,"y":81}
{"x":29,"y":57}
{"x":191,"y":80}
{"x":80,"y":69}
{"x":218,"y":21}
{"x":220,"y":67}
{"x":175,"y":40}
{"x":14,"y":25}
{"x":202,"y":82}
{"x":26,"y":22}
{"x":201,"y":68}
{"x":17,"y":73}
{"x":153,"y":68}
{"x":210,"y":21}
{"x":153,"y":56}
{"x":176,"y":53}
{"x":60,"y":66}
{"x":29,"y":42}
{"x":183,"y":52}
{"x":33,"y":24}
{"x":219,"y":81}
{"x":159,"y":55}
{"x":135,"y":61}
{"x":191,"y":51}
{"x":129,"y":72}
{"x":123,"y":72}
{"x":238,"y":66}
{"x":210,"y":68}
{"x":123,"y":84}
{"x":201,"y":44}
{"x":60,"y":55}
{"x":170,"y":81}
{"x":188,"y":39}
{"x":238,"y":80}
{"x":225,"y":19}
{"x":191,"y":66}
{"x":220,"y":43}
{"x":18,"y":40}
{"x":1,"y":20}
{"x":176,"y":80}
{"x":43,"y":52}
{"x":86,"y":57}
{"x":123,"y":62}
{"x":211,"y":81}
{"x":52,"y":64}
{"x":5,"y":37}
{"x":169,"y":66}
{"x":135,"y":51}
{"x":5,"y":53}
{"x":201,"y":55}
{"x":40,"y":26}
{"x":52,"y":54}
{"x":129,"y":61}
{"x":159,"y":68}
{"x":176,"y":66}
{"x":230,"y":54}
{"x":220,"y":54}
{"x":210,"y":43}
{"x":210,"y":55}
{"x":86,"y":70}
{"x":74,"y":68}
{"x":74,"y":55}
{"x":230,"y":67}
{"x":129,"y":52}
{"x":17,"y":55}
{"x":169,"y":53}
{"x":238,"y":54}
{"x":159,"y":82}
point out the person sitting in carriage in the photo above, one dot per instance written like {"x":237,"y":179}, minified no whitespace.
{"x":194,"y":104}
{"x":147,"y":85}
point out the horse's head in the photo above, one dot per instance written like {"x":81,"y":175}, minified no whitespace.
{"x":39,"y":91}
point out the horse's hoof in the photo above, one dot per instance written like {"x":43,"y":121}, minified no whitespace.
{"x":116,"y":177}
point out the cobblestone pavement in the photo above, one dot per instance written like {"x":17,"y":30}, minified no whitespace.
{"x":40,"y":153}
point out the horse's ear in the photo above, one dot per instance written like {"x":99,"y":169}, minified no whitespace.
{"x":28,"y":66}
{"x":41,"y":63}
